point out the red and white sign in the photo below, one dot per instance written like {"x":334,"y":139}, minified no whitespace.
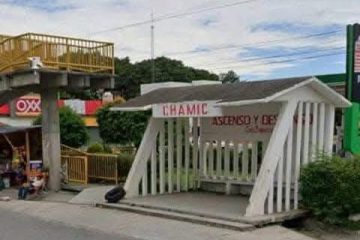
{"x":357,"y":56}
{"x":28,"y":106}
{"x":186,"y":109}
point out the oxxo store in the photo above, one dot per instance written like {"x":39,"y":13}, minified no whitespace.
{"x":247,"y":139}
{"x":22,"y":112}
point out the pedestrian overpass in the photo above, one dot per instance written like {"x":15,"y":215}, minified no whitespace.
{"x":45,"y":64}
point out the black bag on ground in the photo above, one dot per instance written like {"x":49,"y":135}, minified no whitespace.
{"x":115,"y":194}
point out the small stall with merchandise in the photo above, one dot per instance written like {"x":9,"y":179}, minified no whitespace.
{"x":20,"y":154}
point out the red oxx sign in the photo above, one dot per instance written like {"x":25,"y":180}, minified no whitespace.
{"x":186,"y":109}
{"x":28,"y":106}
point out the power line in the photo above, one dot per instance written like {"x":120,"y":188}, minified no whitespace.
{"x":283,"y":61}
{"x":251,"y":59}
{"x":171,"y":16}
{"x":261,"y":43}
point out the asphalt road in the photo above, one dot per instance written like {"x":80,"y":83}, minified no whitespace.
{"x":17,"y":226}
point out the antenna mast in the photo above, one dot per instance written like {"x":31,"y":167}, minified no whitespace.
{"x":152,"y":48}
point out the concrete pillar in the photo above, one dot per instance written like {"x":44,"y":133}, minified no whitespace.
{"x":51,"y":136}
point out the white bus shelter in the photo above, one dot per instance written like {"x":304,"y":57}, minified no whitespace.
{"x":256,"y":134}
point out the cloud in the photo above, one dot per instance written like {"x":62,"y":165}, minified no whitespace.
{"x":42,"y":5}
{"x":215,"y":40}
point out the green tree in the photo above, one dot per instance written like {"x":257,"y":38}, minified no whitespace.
{"x":128,"y":127}
{"x":121,"y":127}
{"x":72,"y":128}
{"x":229,"y":77}
{"x":131,"y":76}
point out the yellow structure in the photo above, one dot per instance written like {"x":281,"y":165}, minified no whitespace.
{"x":56,"y":52}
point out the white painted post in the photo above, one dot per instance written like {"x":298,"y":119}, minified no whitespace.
{"x":178,"y":153}
{"x":227,"y":160}
{"x":195,"y":150}
{"x":329,"y":126}
{"x":306,"y":133}
{"x":321,"y":127}
{"x":280,"y":172}
{"x":142,"y":156}
{"x":263,"y":150}
{"x":153,"y":170}
{"x":162,"y":157}
{"x":272,"y":155}
{"x":211,"y":159}
{"x":236,"y":160}
{"x":254,"y":160}
{"x":289,"y":154}
{"x":298,"y":154}
{"x":170,"y":154}
{"x":245,"y":161}
{"x":218,"y":159}
{"x":270,"y":201}
{"x":187,"y":154}
{"x":144,"y":187}
{"x":204,"y":157}
{"x":314,"y":146}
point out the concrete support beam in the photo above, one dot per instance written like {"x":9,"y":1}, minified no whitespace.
{"x":51,"y":136}
{"x":4,"y":83}
{"x":12,"y":104}
{"x":25,"y":79}
{"x":102,"y":83}
{"x":52,"y":80}
{"x":78,"y":82}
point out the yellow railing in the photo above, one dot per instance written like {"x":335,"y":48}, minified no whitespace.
{"x":69,"y":151}
{"x":76,"y":168}
{"x":79,"y":166}
{"x":3,"y":37}
{"x":56,"y":52}
{"x":103,"y":166}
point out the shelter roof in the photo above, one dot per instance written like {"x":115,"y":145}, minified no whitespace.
{"x":246,"y":92}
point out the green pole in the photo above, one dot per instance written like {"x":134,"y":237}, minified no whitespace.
{"x":351,"y":128}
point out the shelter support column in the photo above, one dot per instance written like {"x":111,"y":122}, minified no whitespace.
{"x":139,"y":165}
{"x":272,"y":156}
{"x":51,"y":137}
{"x":329,"y":126}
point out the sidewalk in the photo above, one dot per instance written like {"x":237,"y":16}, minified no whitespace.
{"x":60,"y":196}
{"x":139,"y":226}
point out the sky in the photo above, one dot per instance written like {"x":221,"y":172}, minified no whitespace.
{"x":258,"y":39}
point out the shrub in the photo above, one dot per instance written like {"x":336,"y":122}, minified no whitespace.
{"x":72,"y":127}
{"x":125,"y":128}
{"x":124,"y":164}
{"x":107,"y":149}
{"x":330,"y":188}
{"x":95,"y":148}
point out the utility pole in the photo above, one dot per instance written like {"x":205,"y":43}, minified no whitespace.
{"x":152,"y":48}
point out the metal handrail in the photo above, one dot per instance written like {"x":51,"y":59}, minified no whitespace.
{"x":56,"y":52}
